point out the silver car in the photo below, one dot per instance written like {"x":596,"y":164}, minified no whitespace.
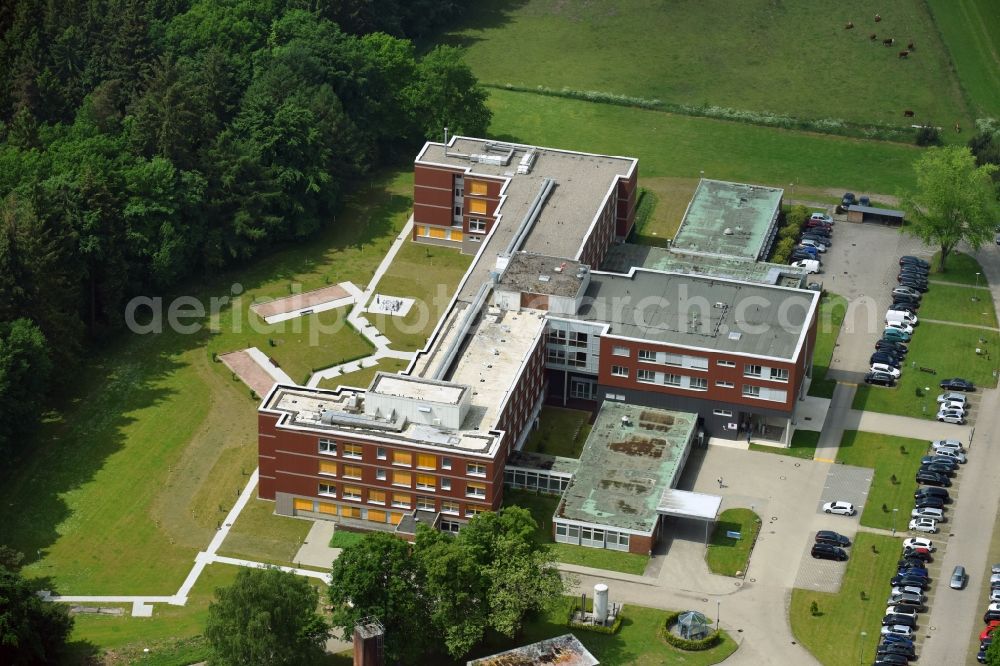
{"x":958,"y":578}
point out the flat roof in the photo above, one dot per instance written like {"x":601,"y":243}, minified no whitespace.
{"x":342,"y":411}
{"x":565,"y":650}
{"x":415,"y":388}
{"x":697,"y":312}
{"x":541,"y":274}
{"x":687,"y":504}
{"x":622,"y":257}
{"x":888,"y":212}
{"x":543,"y":462}
{"x":583,"y":181}
{"x":630,"y":457}
{"x":730,"y":219}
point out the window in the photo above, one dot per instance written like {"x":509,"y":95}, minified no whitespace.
{"x":352,"y":493}
{"x":477,"y":206}
{"x":752,"y":370}
{"x":722,"y":412}
{"x":328,"y":468}
{"x":352,"y":472}
{"x":671,"y":380}
{"x":577,"y":339}
{"x":426,"y":482}
{"x":328,"y":446}
{"x":447,"y":506}
{"x":401,"y":500}
{"x":425,"y":503}
{"x":621,"y":371}
{"x":445,"y":463}
{"x":401,"y":479}
{"x":477,"y":226}
{"x":350,"y":512}
{"x":376,"y":516}
{"x":471,"y":511}
{"x":445,"y":484}
{"x":450,"y":526}
{"x":698,"y":384}
{"x":696,"y":362}
{"x":352,"y":451}
{"x":726,"y":364}
{"x":779,"y":374}
{"x":557,"y":337}
{"x":722,"y":384}
{"x":380,"y":474}
{"x":426,"y":461}
{"x":475,"y":469}
{"x":376,"y":497}
{"x":674,"y":359}
{"x":647,"y":355}
{"x":647,"y":376}
{"x":620,"y":351}
{"x":477,"y":187}
{"x":473,"y":489}
{"x":402,"y":458}
{"x":327,"y":490}
{"x":380,"y":453}
{"x":475,"y":239}
{"x":584,"y":389}
{"x":751,"y":391}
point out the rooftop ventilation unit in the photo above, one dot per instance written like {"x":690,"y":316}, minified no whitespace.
{"x":544,"y":278}
{"x":727,"y":231}
{"x":720,"y":304}
{"x":735,"y":335}
{"x":527,"y":162}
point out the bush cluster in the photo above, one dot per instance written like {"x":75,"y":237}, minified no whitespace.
{"x":706,"y":643}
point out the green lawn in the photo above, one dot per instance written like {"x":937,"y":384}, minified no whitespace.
{"x":803,"y":446}
{"x":542,"y":508}
{"x":831,"y":317}
{"x":427,"y":274}
{"x":343,"y":538}
{"x":946,"y":302}
{"x":834,"y":636}
{"x":970,"y":29}
{"x":362,"y":378}
{"x":662,"y":208}
{"x":790,"y":58}
{"x":261,"y":535}
{"x":682,"y":146}
{"x":951,"y":352}
{"x":560,"y":432}
{"x":884,"y":454}
{"x":960,"y":267}
{"x":728,"y":556}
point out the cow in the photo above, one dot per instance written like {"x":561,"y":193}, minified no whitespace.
{"x":849,"y":25}
{"x":888,"y":42}
{"x":878,"y":18}
{"x":958,"y":127}
{"x":873,"y":36}
{"x":908,"y":113}
{"x":911,"y":46}
{"x":904,"y":54}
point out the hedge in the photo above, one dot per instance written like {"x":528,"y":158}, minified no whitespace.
{"x":597,"y":629}
{"x":706,"y":643}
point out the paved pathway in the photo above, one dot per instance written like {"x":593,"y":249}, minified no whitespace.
{"x":315,"y":550}
{"x":833,"y":426}
{"x":904,"y":426}
{"x":956,"y":284}
{"x":955,"y":323}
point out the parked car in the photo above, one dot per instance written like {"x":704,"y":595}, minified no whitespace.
{"x":821,"y":224}
{"x":848,"y":199}
{"x":890,"y":660}
{"x":864,"y":200}
{"x":884,"y":358}
{"x":949,"y":443}
{"x":914,"y":597}
{"x":915,"y":580}
{"x":901,"y":315}
{"x":822,"y":234}
{"x":810,"y":266}
{"x":990,"y":627}
{"x":898,"y":629}
{"x":914,"y":268}
{"x":929,"y":502}
{"x":804,"y":254}
{"x":933,"y":479}
{"x":832,"y":538}
{"x":903,"y":649}
{"x":928,"y":525}
{"x":989,"y":616}
{"x":886,"y":368}
{"x":892,"y":345}
{"x":907,"y":292}
{"x":994,"y":595}
{"x":910,"y":562}
{"x":901,"y":620}
{"x":995,"y":569}
{"x":952,"y":454}
{"x":910,"y":259}
{"x":957,"y":384}
{"x":906,"y":281}
{"x":822,"y":551}
{"x":905,"y":306}
{"x":921,"y":554}
{"x":892,"y":333}
{"x":919,"y":542}
{"x":936,"y":459}
{"x":928,"y":512}
{"x":951,"y":416}
{"x":994,"y":579}
{"x":880,"y":379}
{"x":809,"y":242}
{"x":913,"y":572}
{"x":840,"y":508}
{"x":937,"y":469}
{"x":808,"y":249}
{"x":931,"y":492}
{"x":953,"y":405}
{"x":900,"y":325}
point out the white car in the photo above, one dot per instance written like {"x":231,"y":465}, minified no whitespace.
{"x":952,"y":396}
{"x":907,"y":589}
{"x":886,"y":368}
{"x":928,"y":512}
{"x":840,"y":508}
{"x":902,"y":326}
{"x":951,"y":416}
{"x":954,"y":455}
{"x":994,"y":595}
{"x":947,"y":444}
{"x":952,"y":406}
{"x":808,"y":242}
{"x":821,"y":217}
{"x":897,"y":630}
{"x":919,"y":542}
{"x":995,"y":578}
{"x":928,"y":525}
{"x":809,"y":265}
{"x":902,"y":610}
{"x":993,"y":607}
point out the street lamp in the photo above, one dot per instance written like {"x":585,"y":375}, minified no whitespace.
{"x":718,"y":609}
{"x":894,"y":512}
{"x":861,"y":650}
{"x":974,"y":297}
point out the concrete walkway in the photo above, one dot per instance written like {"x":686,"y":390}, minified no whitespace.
{"x":904,"y":426}
{"x":280,"y":376}
{"x":955,"y":323}
{"x":315,"y":550}
{"x":956,"y":284}
{"x":835,"y":423}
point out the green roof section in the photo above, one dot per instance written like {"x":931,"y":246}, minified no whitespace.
{"x":543,"y":462}
{"x":729,"y":219}
{"x":631,"y":456}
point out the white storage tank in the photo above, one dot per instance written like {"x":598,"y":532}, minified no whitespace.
{"x":600,"y":603}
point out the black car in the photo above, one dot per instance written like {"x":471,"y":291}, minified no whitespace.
{"x":905,"y":306}
{"x":919,"y":285}
{"x":891,"y":659}
{"x":933,"y":479}
{"x":957,"y":384}
{"x":991,"y":615}
{"x":914,"y":268}
{"x":884,"y":357}
{"x":928,"y":503}
{"x":914,"y":554}
{"x":932,"y":492}
{"x":831,"y":538}
{"x":799,"y":255}
{"x":893,"y":638}
{"x":896,"y":648}
{"x":903,"y":580}
{"x":937,"y":469}
{"x":893,"y":345}
{"x":880,"y":379}
{"x":822,"y":551}
{"x":908,"y":562}
{"x":939,"y":460}
{"x":907,"y":298}
{"x":905,"y":620}
{"x":910,"y":259}
{"x":917,"y":570}
{"x":848,"y":199}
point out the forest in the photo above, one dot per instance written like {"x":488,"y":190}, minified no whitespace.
{"x":148,"y":142}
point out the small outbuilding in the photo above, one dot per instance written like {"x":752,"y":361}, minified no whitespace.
{"x":870,"y":214}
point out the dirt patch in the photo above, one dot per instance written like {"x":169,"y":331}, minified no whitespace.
{"x":248,"y":371}
{"x":640,"y":446}
{"x":298,"y":301}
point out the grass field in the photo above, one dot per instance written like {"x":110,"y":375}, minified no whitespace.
{"x":794,"y":59}
{"x":668,"y":199}
{"x":834,"y":635}
{"x":261,"y":535}
{"x":681,"y":146}
{"x":831,"y":317}
{"x":561,"y":432}
{"x":971,"y":30}
{"x":884,"y":454}
{"x":343,"y":538}
{"x":961,"y":268}
{"x":949,"y":303}
{"x":542,"y":508}
{"x":362,"y":378}
{"x":727,"y":556}
{"x":951,"y":352}
{"x":803,"y":446}
{"x":427,"y":274}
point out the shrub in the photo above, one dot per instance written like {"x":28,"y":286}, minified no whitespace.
{"x":928,"y":136}
{"x":789,"y":231}
{"x":783,"y":250}
{"x":814,"y":607}
{"x":797,"y":216}
{"x":706,"y":643}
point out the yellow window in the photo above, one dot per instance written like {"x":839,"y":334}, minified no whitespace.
{"x":456,"y":235}
{"x":327,"y":467}
{"x":426,"y":461}
{"x":394,"y":518}
{"x":477,"y":187}
{"x":437,"y":232}
{"x":475,"y":489}
{"x":303,"y":505}
{"x":350,"y":512}
{"x":376,"y":496}
{"x":352,"y":450}
{"x":447,"y":506}
{"x":402,"y":458}
{"x":402,"y":499}
{"x":401,"y":479}
{"x":352,"y":492}
{"x":426,"y":481}
{"x":423,"y":231}
{"x":376,"y":516}
{"x":472,"y":510}
{"x":477,"y":206}
{"x":352,"y":471}
{"x":327,"y":508}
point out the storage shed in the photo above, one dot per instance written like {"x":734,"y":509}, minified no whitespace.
{"x":870,"y":214}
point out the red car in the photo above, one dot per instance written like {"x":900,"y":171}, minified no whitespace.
{"x":989,"y":629}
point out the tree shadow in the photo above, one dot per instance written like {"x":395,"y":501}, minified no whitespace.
{"x":482,"y":15}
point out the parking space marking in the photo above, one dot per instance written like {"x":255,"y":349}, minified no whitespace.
{"x":846,"y":483}
{"x":820,"y":575}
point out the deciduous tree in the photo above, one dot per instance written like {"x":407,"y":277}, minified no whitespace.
{"x":32,"y":631}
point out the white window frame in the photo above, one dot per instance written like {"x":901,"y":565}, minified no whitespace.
{"x":751,"y":391}
{"x":698,"y":383}
{"x":445,"y":484}
{"x":645,"y":376}
{"x":477,"y":225}
{"x":779,"y":375}
{"x":619,"y":371}
{"x":473,"y":469}
{"x":617,"y":350}
{"x":753,"y":370}
{"x":331,"y":446}
{"x":445,"y":463}
{"x":380,"y":475}
{"x":721,"y":383}
{"x":726,"y":364}
{"x":670,"y":379}
{"x":331,"y":490}
{"x":647,"y":355}
{"x":471,"y":491}
{"x":723,"y":412}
